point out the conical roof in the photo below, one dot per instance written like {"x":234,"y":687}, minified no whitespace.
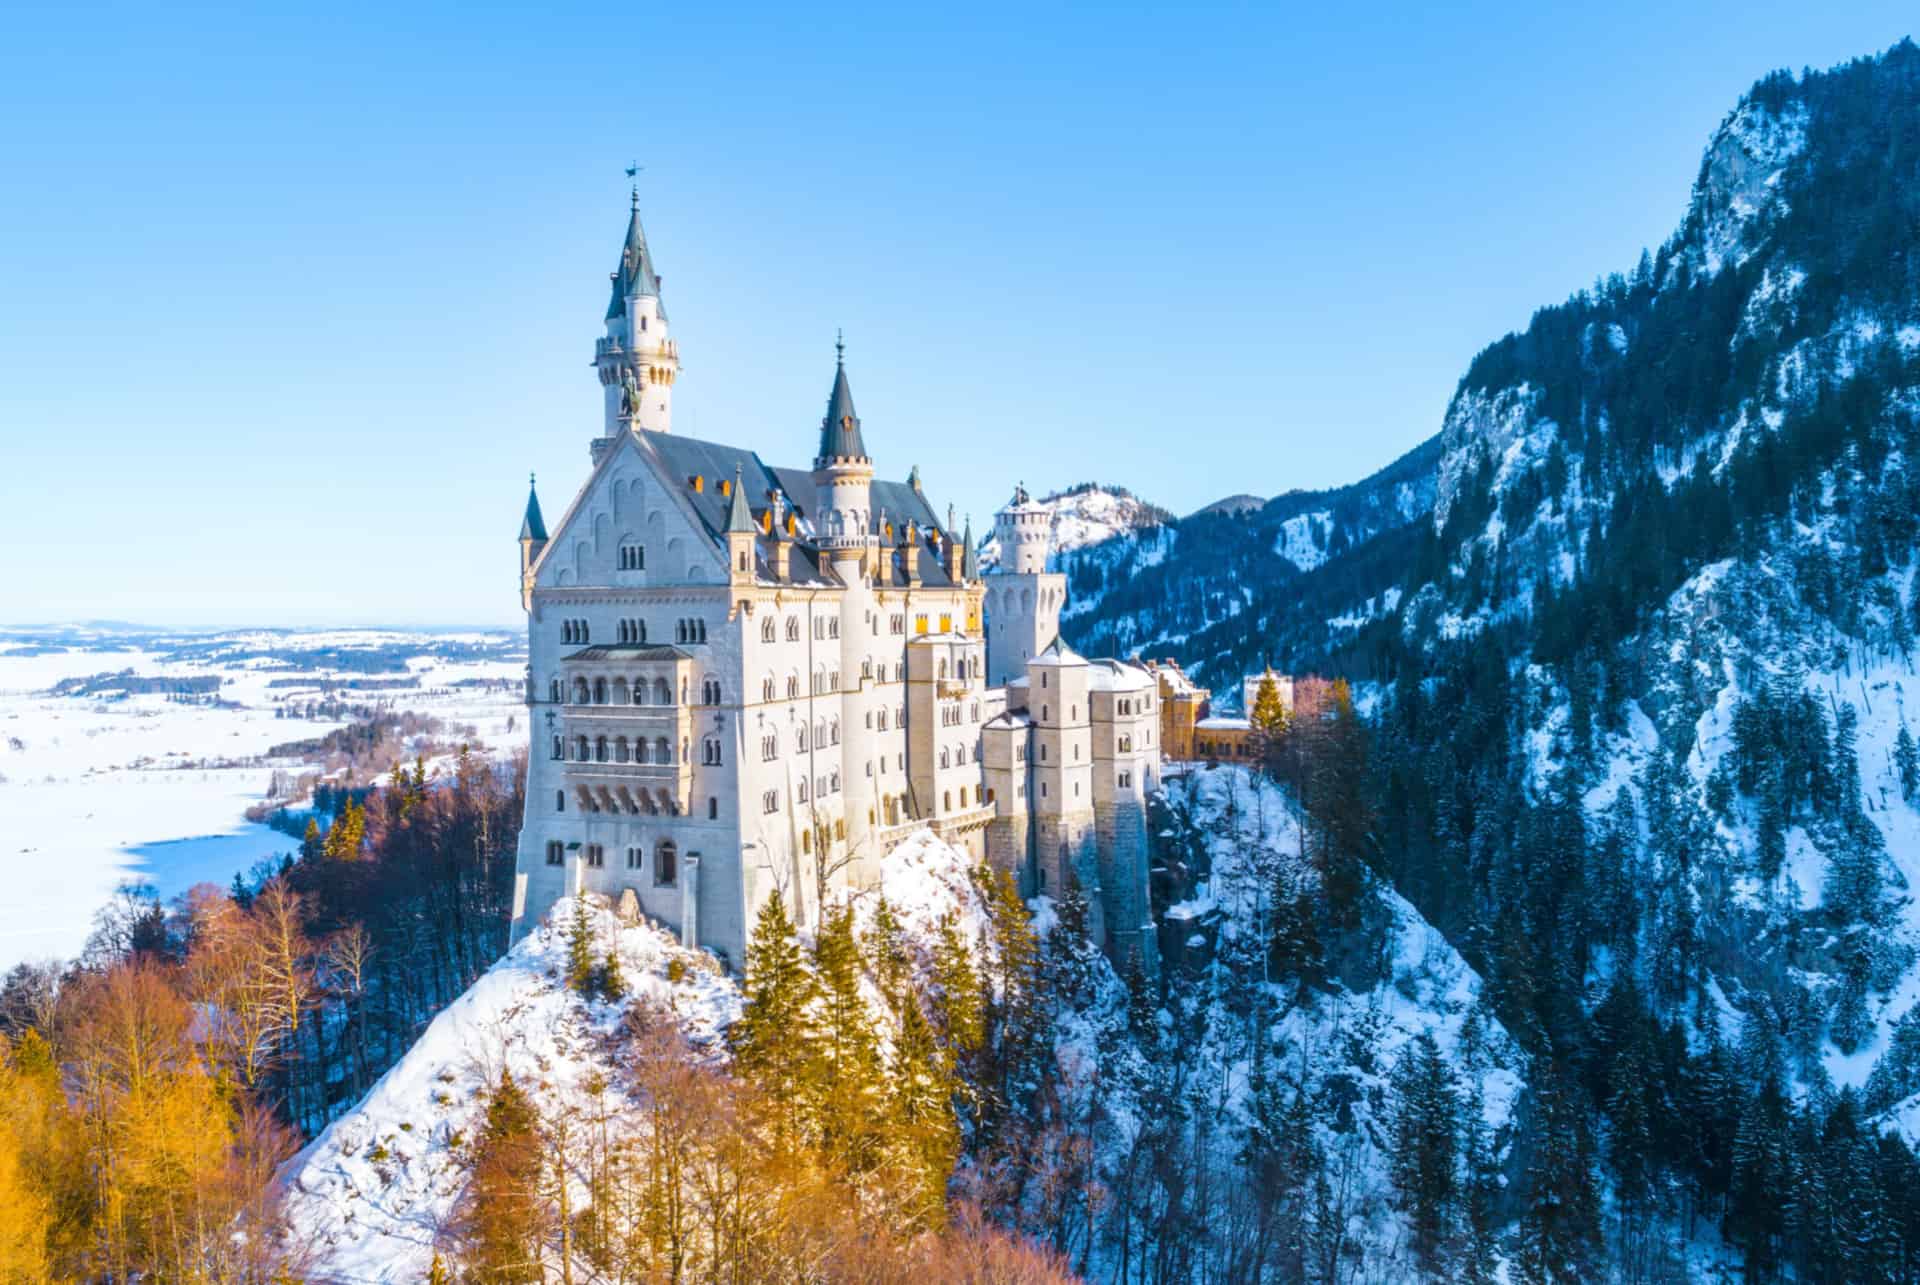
{"x":739,"y":516}
{"x":532,"y":526}
{"x":636,"y":275}
{"x":840,"y":430}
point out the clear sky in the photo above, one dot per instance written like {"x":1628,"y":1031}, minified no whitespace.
{"x":292,"y":299}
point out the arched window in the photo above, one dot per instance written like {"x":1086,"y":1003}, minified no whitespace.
{"x":559,"y":747}
{"x":599,"y":691}
{"x":834,"y":733}
{"x":766,"y":630}
{"x":766,"y":688}
{"x":663,"y":751}
{"x":943,"y":667}
{"x":619,"y":749}
{"x":662,"y":694}
{"x":793,"y":686}
{"x":556,"y":852}
{"x":559,"y":800}
{"x":620,"y":696}
{"x":581,"y":692}
{"x":710,"y":751}
{"x":666,"y":861}
{"x":553,"y":691}
{"x":639,"y":691}
{"x":945,"y":758}
{"x":642,"y":750}
{"x":793,"y":629}
{"x":713,"y":808}
{"x":600,"y":750}
{"x":585,"y":750}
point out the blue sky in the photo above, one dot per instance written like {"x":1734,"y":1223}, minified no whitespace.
{"x":294,"y":298}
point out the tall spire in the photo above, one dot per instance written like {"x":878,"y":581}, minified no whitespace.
{"x":840,"y":430}
{"x":532,"y":526}
{"x":635,"y":276}
{"x":739,"y":516}
{"x":969,"y":556}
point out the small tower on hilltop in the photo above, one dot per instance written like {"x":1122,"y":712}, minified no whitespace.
{"x":533,"y":538}
{"x":637,"y":361}
{"x":1024,"y":599}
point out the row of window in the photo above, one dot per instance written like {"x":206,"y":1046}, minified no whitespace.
{"x":824,"y":628}
{"x":666,"y":859}
{"x":619,"y":691}
{"x":632,"y":630}
{"x":574,"y":632}
{"x":633,"y":557}
{"x":640,"y":750}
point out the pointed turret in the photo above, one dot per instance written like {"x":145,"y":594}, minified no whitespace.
{"x":739,"y":516}
{"x":638,"y":360}
{"x":842,"y":473}
{"x":635,"y":277}
{"x":840,"y":430}
{"x":533,"y":539}
{"x":970,"y":559}
{"x":742,"y":532}
{"x":533,"y":526}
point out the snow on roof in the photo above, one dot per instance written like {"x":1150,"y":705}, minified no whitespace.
{"x":1222,"y":723}
{"x":1116,"y":676}
{"x":1012,"y":718}
{"x":1058,"y":653}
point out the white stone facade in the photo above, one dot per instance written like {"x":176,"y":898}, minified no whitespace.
{"x":745,"y":679}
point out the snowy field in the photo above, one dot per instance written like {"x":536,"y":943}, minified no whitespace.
{"x":101,"y":785}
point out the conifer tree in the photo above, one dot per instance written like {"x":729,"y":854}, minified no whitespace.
{"x":886,"y":951}
{"x":922,"y":1108}
{"x":1426,"y":1140}
{"x":580,"y":946}
{"x":1268,"y":721}
{"x":1906,"y":762}
{"x":961,"y":1003}
{"x":503,"y":1215}
{"x":845,"y":1080}
{"x":775,"y":1039}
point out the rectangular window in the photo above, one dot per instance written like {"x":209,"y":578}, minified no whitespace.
{"x":556,"y":852}
{"x":596,"y":855}
{"x":633,"y":858}
{"x":919,"y":624}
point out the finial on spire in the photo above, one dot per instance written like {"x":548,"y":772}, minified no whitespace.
{"x":633,"y":172}
{"x":839,"y":347}
{"x":530,"y":479}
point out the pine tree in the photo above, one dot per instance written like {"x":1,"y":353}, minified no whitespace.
{"x":961,"y":1003}
{"x":502,"y":1218}
{"x":347,"y":834}
{"x":886,"y":951}
{"x":1426,"y":1133}
{"x":1906,"y":761}
{"x":1559,"y":1224}
{"x":844,"y":1081}
{"x":1268,"y":720}
{"x":580,"y":947}
{"x":922,"y":1109}
{"x":775,"y":1039}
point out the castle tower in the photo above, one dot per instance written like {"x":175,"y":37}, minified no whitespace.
{"x":533,"y":539}
{"x":1023,"y":598}
{"x":638,"y":360}
{"x":845,"y":532}
{"x":1062,"y":804}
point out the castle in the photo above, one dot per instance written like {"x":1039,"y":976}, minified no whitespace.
{"x":745,"y":679}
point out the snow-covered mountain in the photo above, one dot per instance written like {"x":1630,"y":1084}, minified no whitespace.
{"x":1638,"y":666}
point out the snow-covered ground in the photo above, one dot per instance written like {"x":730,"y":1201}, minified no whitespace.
{"x":372,"y":1193}
{"x":99,"y":787}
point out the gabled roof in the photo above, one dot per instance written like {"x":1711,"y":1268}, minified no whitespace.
{"x":532,"y":526}
{"x":840,"y":429}
{"x":1058,"y":653}
{"x":636,"y":275}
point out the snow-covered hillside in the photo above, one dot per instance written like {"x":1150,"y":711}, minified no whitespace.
{"x":373,"y":1194}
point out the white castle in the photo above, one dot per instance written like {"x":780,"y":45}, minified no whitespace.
{"x":745,"y":679}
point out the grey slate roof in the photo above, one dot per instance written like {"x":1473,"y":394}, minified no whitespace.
{"x":739,"y":519}
{"x":840,"y":429}
{"x":636,"y":275}
{"x":629,"y":651}
{"x":533,"y":526}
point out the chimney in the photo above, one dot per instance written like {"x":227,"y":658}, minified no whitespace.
{"x":912,"y":554}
